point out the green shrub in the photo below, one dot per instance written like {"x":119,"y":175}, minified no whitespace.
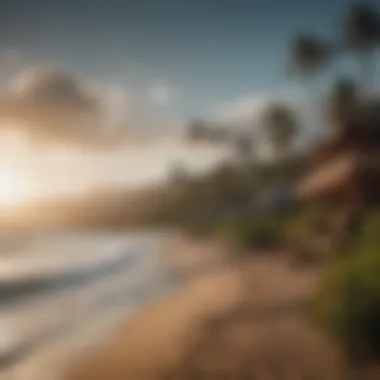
{"x":303,"y":221}
{"x":260,"y":233}
{"x":369,"y":238}
{"x":347,"y":304}
{"x":257,"y":235}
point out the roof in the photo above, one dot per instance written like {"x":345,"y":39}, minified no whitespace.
{"x":333,"y":176}
{"x":327,"y":178}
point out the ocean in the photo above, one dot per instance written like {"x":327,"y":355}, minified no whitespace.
{"x":61,"y":291}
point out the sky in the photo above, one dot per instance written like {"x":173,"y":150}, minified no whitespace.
{"x":207,"y":53}
{"x":153,"y":65}
{"x":49,"y":171}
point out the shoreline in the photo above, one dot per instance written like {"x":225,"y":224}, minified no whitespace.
{"x":255,"y":293}
{"x":228,"y":314}
{"x":120,"y":296}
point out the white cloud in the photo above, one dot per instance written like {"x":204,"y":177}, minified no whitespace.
{"x":48,"y":86}
{"x":108,"y":109}
{"x":160,"y":94}
{"x":57,"y":104}
{"x":119,"y":108}
{"x":247,"y":111}
{"x":70,"y":170}
{"x":242,"y":110}
{"x":245,"y":114}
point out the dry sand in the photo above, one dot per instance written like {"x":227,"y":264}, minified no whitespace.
{"x":241,"y":322}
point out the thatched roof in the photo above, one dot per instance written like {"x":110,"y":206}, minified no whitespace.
{"x":328,"y":178}
{"x":356,"y":145}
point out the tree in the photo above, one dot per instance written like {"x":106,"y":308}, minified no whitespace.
{"x":197,"y":131}
{"x":279,"y":126}
{"x":244,"y":147}
{"x":178,"y":173}
{"x":343,"y":101}
{"x":309,"y":54}
{"x":362,"y":35}
{"x":219,"y":135}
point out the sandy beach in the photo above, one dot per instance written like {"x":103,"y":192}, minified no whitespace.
{"x":242,"y":320}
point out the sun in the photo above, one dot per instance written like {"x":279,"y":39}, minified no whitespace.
{"x":10,"y":187}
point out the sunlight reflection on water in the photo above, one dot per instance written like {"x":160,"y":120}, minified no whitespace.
{"x":60,"y":285}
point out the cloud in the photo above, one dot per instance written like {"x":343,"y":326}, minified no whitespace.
{"x":71,"y":171}
{"x":160,"y":95}
{"x":52,"y":104}
{"x":245,"y":114}
{"x":50,"y":88}
{"x":118,"y":106}
{"x":242,"y":110}
{"x":247,"y":111}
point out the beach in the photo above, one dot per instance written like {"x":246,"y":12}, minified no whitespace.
{"x":60,"y":293}
{"x":219,"y":316}
{"x":242,"y":319}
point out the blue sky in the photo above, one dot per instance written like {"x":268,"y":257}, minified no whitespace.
{"x":164,"y":60}
{"x":209,"y":52}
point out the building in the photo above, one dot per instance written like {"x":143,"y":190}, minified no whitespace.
{"x":344,"y":172}
{"x":346,"y":168}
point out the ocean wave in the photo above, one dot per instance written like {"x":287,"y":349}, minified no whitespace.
{"x":83,"y":278}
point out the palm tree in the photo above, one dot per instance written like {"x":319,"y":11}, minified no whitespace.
{"x":219,"y":135}
{"x":197,"y":131}
{"x":343,"y":102}
{"x":309,"y":53}
{"x":279,"y":126}
{"x":243,"y":146}
{"x":177,"y":173}
{"x":362,"y":35}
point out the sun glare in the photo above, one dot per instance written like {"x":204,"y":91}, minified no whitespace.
{"x":10,"y":188}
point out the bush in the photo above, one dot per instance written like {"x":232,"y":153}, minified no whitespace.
{"x":347,"y":304}
{"x":260,"y":233}
{"x":257,"y":235}
{"x":304,"y":220}
{"x":369,"y":238}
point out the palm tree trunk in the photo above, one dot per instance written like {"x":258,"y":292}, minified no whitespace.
{"x":367,"y":59}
